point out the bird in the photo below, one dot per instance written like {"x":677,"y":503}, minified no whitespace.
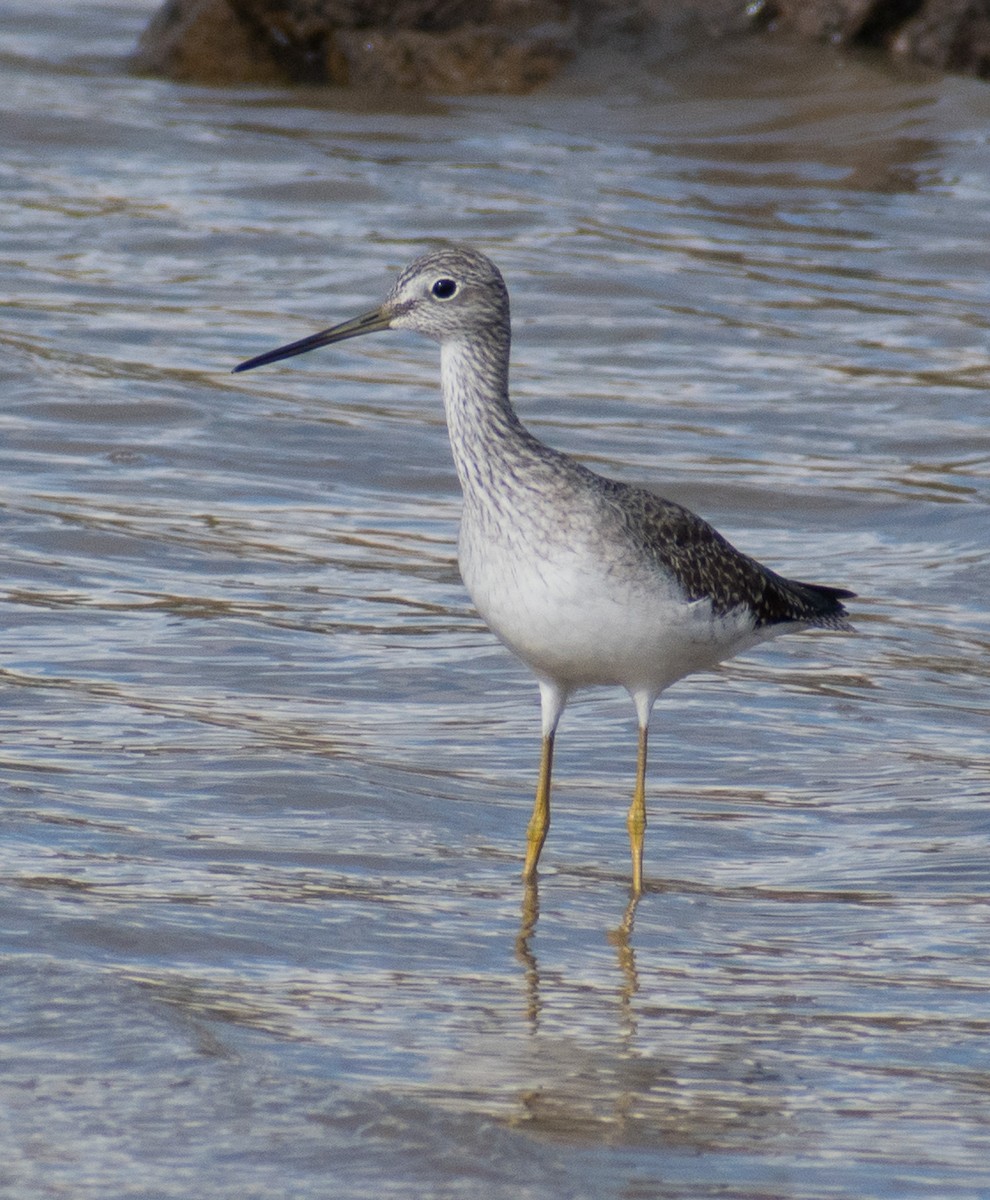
{"x":588,"y":580}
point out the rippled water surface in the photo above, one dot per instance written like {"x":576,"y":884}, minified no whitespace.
{"x":265,"y":773}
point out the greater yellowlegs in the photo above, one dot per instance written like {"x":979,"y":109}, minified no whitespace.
{"x":587,"y":580}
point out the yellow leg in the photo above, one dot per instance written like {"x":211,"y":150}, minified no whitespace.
{"x":539,"y":822}
{"x":636,"y":820}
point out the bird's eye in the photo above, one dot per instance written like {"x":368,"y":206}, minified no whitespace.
{"x":444,"y":289}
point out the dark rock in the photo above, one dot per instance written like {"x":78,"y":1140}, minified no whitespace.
{"x":961,"y":44}
{"x":445,"y":46}
{"x":200,"y":41}
{"x":953,"y":35}
{"x":515,"y":45}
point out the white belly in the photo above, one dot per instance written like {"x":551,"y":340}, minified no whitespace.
{"x":575,"y":623}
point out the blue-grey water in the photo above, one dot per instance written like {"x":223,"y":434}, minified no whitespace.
{"x":265,"y":775}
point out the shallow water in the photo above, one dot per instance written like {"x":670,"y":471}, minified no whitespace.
{"x":265,"y":774}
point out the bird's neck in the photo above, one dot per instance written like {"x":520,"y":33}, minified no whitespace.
{"x":485,"y":432}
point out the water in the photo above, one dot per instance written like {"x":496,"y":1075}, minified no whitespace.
{"x":265,"y":774}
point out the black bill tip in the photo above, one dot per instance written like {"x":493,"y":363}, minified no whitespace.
{"x":370,"y":322}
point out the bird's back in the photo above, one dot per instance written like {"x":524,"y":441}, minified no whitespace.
{"x":707,"y":566}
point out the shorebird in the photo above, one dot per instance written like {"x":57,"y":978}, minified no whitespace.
{"x":588,"y":580}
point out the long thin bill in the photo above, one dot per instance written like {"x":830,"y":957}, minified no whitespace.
{"x":370,"y":322}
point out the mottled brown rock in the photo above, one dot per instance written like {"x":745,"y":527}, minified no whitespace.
{"x":200,"y":41}
{"x":953,"y":35}
{"x":445,"y":46}
{"x":515,"y":45}
{"x":822,"y":20}
{"x":961,"y":44}
{"x":464,"y":60}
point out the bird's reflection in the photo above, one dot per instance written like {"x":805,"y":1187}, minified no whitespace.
{"x":524,"y":949}
{"x":620,"y":938}
{"x":607,"y":1062}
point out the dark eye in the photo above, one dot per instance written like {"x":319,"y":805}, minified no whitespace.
{"x":443,"y":289}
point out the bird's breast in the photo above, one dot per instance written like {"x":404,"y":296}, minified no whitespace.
{"x":579,"y":612}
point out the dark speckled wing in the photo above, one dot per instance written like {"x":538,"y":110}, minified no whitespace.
{"x":707,"y":566}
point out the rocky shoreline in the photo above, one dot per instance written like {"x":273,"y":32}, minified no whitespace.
{"x":513,"y":46}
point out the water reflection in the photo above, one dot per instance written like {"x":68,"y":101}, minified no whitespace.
{"x":620,"y":938}
{"x":524,"y":950}
{"x":622,"y":1087}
